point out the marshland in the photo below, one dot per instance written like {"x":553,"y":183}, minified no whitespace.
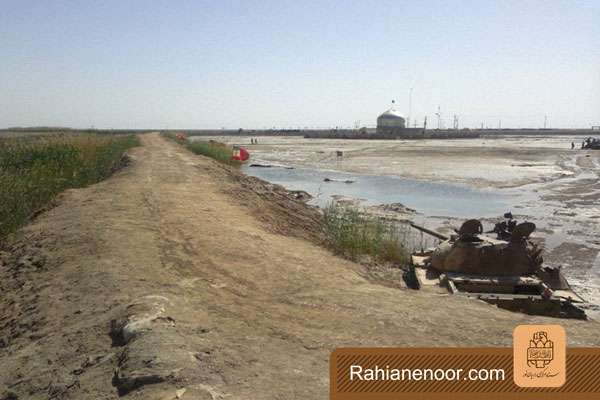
{"x":34,"y":169}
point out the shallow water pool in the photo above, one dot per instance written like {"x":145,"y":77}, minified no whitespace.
{"x":429,"y":198}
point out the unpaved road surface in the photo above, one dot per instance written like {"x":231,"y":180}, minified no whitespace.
{"x":180,"y":278}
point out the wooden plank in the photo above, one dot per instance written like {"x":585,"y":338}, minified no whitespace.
{"x":427,"y":277}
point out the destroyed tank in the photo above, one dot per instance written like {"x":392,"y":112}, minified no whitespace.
{"x":469,"y":251}
{"x":591,"y":144}
{"x":502,"y":267}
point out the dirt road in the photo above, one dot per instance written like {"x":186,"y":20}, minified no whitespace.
{"x":179,"y":277}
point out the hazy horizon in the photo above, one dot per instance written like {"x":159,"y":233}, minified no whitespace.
{"x":254,"y":65}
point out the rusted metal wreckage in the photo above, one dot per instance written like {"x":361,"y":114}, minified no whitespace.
{"x":591,"y":143}
{"x":502,"y":267}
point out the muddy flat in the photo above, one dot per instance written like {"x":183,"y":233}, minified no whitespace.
{"x":181,"y":278}
{"x":539,"y":178}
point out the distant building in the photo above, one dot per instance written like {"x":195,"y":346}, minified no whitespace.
{"x":390,"y":121}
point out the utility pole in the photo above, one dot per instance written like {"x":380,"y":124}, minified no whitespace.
{"x":545,"y":121}
{"x":409,"y":106}
{"x":425,"y":123}
{"x":439,"y":118}
{"x":455,"y":122}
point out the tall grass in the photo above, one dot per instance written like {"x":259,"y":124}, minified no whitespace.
{"x":219,"y":151}
{"x":33,"y":170}
{"x":355,"y":234}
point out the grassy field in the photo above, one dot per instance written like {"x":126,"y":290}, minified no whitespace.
{"x":219,"y":151}
{"x":33,"y":170}
{"x":354,"y":234}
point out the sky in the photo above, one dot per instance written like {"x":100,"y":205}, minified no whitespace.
{"x":296,"y":64}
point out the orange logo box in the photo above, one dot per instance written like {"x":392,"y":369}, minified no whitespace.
{"x":540,"y":356}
